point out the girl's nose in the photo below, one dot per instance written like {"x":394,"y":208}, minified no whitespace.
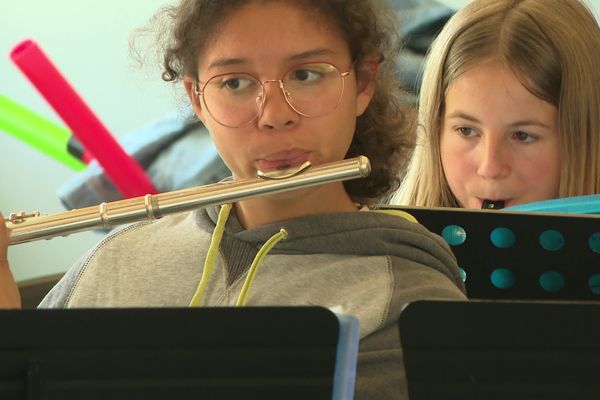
{"x":494,"y":159}
{"x":276,"y":113}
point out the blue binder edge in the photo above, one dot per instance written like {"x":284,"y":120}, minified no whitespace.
{"x":575,"y":205}
{"x":346,"y":358}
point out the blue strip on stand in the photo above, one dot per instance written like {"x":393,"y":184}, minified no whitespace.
{"x":573,"y":205}
{"x":347,"y":357}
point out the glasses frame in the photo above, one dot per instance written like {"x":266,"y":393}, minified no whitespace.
{"x":263,"y":92}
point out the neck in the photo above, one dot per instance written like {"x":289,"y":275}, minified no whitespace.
{"x":298,"y":203}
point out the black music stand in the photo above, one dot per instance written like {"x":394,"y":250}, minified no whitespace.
{"x":519,"y":255}
{"x":178,"y":353}
{"x":501,"y":350}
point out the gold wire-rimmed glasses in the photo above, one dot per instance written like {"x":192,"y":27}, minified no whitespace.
{"x":236,"y":99}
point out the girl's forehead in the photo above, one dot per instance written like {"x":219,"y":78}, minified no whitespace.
{"x":272,"y":32}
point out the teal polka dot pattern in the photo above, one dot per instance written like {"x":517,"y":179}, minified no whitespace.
{"x":516,"y":255}
{"x":552,"y":281}
{"x":455,"y":235}
{"x":594,"y":242}
{"x":502,"y":238}
{"x":552,"y":240}
{"x":503,"y":278}
{"x":594,"y":283}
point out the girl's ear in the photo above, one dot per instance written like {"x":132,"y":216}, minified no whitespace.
{"x":366,"y":77}
{"x":191,"y":88}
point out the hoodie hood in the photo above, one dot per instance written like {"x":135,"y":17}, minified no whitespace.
{"x":364,"y":234}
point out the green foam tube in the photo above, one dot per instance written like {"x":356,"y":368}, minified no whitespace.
{"x":44,"y":135}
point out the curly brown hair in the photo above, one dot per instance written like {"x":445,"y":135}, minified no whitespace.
{"x":384,"y":132}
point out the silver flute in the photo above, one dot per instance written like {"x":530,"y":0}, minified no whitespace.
{"x":26,"y":227}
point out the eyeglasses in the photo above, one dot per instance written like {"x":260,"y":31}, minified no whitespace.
{"x":236,"y":99}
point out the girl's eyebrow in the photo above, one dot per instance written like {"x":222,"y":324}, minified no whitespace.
{"x":529,"y":122}
{"x":463,"y":115}
{"x":525,"y":122}
{"x":226,"y":62}
{"x":311,"y":53}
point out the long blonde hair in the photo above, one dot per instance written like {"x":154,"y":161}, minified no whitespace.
{"x":553,"y":47}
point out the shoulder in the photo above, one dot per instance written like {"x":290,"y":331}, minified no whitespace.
{"x":171,"y":229}
{"x":150,"y":242}
{"x":136,"y":252}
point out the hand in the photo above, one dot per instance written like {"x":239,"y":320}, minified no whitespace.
{"x":9,"y":292}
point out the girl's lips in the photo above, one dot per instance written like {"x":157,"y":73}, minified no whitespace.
{"x":282,"y":160}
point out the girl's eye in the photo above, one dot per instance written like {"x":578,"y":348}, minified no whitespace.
{"x":237,"y":84}
{"x":466,"y":131}
{"x":233,"y":83}
{"x":305,"y":75}
{"x":524,"y":137}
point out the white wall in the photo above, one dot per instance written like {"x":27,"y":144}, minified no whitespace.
{"x":88,"y":41}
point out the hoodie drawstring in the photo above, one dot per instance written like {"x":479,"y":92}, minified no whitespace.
{"x":262,"y":253}
{"x":213,"y":251}
{"x":397,"y":213}
{"x":211,"y":256}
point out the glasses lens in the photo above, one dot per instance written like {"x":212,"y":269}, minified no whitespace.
{"x":232,"y":99}
{"x":314,"y":89}
{"x":235,"y":100}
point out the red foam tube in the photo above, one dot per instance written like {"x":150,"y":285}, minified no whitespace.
{"x":123,"y":171}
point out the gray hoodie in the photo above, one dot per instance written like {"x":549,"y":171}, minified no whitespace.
{"x":368,"y":264}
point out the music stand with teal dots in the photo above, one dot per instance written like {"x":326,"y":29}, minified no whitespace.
{"x":521,"y":255}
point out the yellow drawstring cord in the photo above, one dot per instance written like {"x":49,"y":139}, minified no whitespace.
{"x":397,"y":213}
{"x":211,"y":257}
{"x":262,"y":253}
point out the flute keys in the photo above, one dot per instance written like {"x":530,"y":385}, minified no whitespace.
{"x":21,"y":216}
